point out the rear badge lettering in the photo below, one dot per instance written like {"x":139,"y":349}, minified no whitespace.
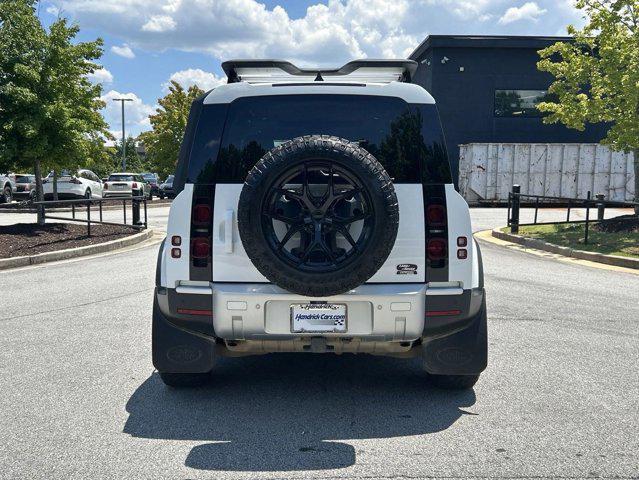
{"x":406,"y":269}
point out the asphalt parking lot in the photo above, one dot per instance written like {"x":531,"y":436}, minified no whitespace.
{"x":80,"y":399}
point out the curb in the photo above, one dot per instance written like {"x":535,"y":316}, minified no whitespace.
{"x":614,"y":260}
{"x":6,"y":263}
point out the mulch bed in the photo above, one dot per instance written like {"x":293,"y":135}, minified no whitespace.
{"x":23,"y":239}
{"x":623,"y":223}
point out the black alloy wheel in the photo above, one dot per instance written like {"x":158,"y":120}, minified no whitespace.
{"x":326,"y":213}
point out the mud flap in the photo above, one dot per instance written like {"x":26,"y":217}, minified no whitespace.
{"x":462,"y":353}
{"x":178,"y":351}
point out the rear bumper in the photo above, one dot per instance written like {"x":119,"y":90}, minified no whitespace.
{"x":22,"y":194}
{"x":121,"y":194}
{"x":255,"y":318}
{"x":65,"y":190}
{"x":64,"y":195}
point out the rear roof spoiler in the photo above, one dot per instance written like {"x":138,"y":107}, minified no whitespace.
{"x":281,"y":71}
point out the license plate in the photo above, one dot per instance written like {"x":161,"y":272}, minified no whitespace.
{"x":318,"y":317}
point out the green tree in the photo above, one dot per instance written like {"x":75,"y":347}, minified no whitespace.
{"x":49,"y":111}
{"x":162,"y":143}
{"x":134,"y":163}
{"x":597,"y":76}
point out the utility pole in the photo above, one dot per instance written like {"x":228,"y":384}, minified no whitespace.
{"x":122,"y":100}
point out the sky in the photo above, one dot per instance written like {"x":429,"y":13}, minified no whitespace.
{"x":147,"y":43}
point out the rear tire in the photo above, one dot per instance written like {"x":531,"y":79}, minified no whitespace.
{"x":315,"y":219}
{"x":454,"y":382}
{"x":185,"y":380}
{"x":7,"y":194}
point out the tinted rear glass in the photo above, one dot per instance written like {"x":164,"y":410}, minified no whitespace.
{"x":121,"y":178}
{"x":406,"y":139}
{"x":25,"y":179}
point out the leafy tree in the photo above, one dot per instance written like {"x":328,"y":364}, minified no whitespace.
{"x":162,"y":143}
{"x":49,"y":111}
{"x":597,"y":76}
{"x":134,"y":163}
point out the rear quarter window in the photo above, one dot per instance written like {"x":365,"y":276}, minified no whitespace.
{"x":406,"y":139}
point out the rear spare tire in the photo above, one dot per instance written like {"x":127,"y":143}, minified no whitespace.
{"x":318,"y":215}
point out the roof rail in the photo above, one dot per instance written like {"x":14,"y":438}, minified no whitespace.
{"x":281,"y":71}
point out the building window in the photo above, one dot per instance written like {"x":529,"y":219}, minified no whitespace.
{"x":519,"y":103}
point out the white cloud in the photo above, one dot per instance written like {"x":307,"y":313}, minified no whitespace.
{"x":327,"y":34}
{"x":195,"y":76}
{"x":528,"y":11}
{"x":53,"y":10}
{"x":136,"y":113}
{"x":159,"y":24}
{"x":101,"y":75}
{"x":123,"y":51}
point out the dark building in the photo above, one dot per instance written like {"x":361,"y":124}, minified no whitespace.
{"x":486,"y":88}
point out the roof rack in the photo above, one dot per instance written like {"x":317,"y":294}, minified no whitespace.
{"x":281,"y":71}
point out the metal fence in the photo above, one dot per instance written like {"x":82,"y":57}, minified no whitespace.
{"x":516,"y":198}
{"x":48,"y":209}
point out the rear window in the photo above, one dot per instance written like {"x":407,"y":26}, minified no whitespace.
{"x":121,"y":178}
{"x":25,"y":179}
{"x":406,"y":139}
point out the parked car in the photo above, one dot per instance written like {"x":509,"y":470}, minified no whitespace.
{"x":80,"y":184}
{"x":25,"y":186}
{"x":126,"y":185}
{"x":166,"y":188}
{"x":7,"y":189}
{"x":319,"y":216}
{"x":154,"y":181}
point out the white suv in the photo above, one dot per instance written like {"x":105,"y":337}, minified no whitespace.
{"x":81,"y":184}
{"x":315,"y":212}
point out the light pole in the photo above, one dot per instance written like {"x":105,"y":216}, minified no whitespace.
{"x":122,"y":100}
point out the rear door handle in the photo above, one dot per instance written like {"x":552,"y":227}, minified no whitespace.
{"x":228,"y":232}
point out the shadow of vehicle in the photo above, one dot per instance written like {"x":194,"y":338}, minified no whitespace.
{"x":287,"y":412}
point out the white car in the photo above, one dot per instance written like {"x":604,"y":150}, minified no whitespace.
{"x":81,"y":184}
{"x":126,"y":185}
{"x":320,"y":217}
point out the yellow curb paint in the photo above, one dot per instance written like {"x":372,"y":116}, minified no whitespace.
{"x":486,"y":236}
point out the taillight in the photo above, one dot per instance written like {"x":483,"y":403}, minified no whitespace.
{"x":75,"y":181}
{"x":436,"y":248}
{"x":134,"y":185}
{"x":200,"y":247}
{"x":436,"y":215}
{"x":201,"y":256}
{"x":201,"y":214}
